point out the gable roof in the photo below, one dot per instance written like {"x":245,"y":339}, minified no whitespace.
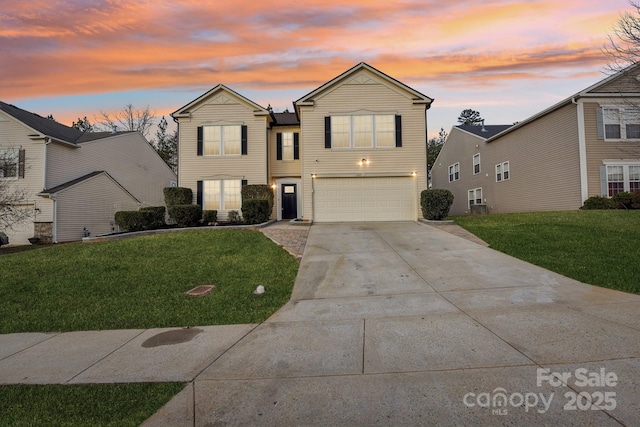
{"x":590,"y":92}
{"x":41,"y":124}
{"x":69,"y":184}
{"x":52,"y":129}
{"x":484,"y":131}
{"x":185,"y":111}
{"x":418,"y":97}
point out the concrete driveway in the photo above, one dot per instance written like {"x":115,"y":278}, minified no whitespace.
{"x":403,"y":324}
{"x":389,"y":324}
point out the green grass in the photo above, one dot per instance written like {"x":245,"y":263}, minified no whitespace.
{"x":140,"y":282}
{"x":83,"y":405}
{"x":597,"y":247}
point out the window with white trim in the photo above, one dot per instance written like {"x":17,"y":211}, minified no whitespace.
{"x":476,"y":164}
{"x":475,"y":197}
{"x":363,"y":131}
{"x":621,"y":123}
{"x":222,"y":140}
{"x":8,"y":163}
{"x":222,"y":194}
{"x":622,"y":178}
{"x":502,"y":171}
{"x":454,"y":172}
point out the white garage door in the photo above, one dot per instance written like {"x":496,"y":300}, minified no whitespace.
{"x":364,"y":199}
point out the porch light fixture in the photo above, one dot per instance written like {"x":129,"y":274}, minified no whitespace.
{"x":273,"y":186}
{"x":313,"y":175}
{"x":363,"y":162}
{"x":414,"y":173}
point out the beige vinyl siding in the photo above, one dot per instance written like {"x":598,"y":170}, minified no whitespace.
{"x":91,"y":204}
{"x":627,"y":83}
{"x":544,"y":164}
{"x":14,"y":135}
{"x":283,"y":168}
{"x":362,"y":92}
{"x":128,"y":158}
{"x":599,"y":149}
{"x":460,"y":148}
{"x":252,"y":167}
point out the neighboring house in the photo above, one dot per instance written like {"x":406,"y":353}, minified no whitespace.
{"x":353,"y":150}
{"x":75,"y":180}
{"x":586,"y":145}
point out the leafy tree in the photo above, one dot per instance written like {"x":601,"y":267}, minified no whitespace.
{"x":469,"y":117}
{"x":166,"y":145}
{"x":83,"y":125}
{"x":434,"y":145}
{"x":127,"y":119}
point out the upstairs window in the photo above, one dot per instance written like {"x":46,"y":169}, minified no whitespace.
{"x":363,"y":131}
{"x":287,"y":146}
{"x":454,"y":172}
{"x":502,"y":171}
{"x":12,"y":163}
{"x":621,"y":123}
{"x":476,"y":164}
{"x":222,"y":140}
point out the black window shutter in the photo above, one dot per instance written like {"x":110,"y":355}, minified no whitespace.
{"x":279,"y":146}
{"x":245,"y":182}
{"x":600,"y":122}
{"x":398,"y":131}
{"x":200,"y":144}
{"x":199,"y":198}
{"x":244,"y":140}
{"x":327,"y":132}
{"x":296,"y":146}
{"x":21,"y":163}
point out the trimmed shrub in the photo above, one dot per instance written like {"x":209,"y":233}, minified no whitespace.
{"x":635,"y":199}
{"x":598,"y":202}
{"x":158,"y":214}
{"x":177,"y":196}
{"x":234,"y":217}
{"x":255,"y":211}
{"x":186,"y":215}
{"x":209,"y":217}
{"x":135,"y":220}
{"x":435,"y":203}
{"x":258,"y":192}
{"x":623,"y":200}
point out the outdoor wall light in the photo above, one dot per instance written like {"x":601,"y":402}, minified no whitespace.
{"x":273,"y":186}
{"x":414,"y":173}
{"x":363,"y":162}
{"x":313,"y":175}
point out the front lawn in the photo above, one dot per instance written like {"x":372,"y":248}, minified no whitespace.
{"x":83,"y":405}
{"x":596,"y":247}
{"x":140,"y":282}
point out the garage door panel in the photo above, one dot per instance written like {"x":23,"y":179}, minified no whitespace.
{"x":364,"y":199}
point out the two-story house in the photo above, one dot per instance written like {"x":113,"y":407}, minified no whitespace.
{"x":586,"y":145}
{"x":74,"y":182}
{"x":354,"y":149}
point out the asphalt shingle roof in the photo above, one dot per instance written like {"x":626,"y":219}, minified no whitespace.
{"x":484,"y":131}
{"x":286,"y":119}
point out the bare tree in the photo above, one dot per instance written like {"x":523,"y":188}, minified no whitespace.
{"x":127,"y":119}
{"x":623,"y":47}
{"x":14,"y":206}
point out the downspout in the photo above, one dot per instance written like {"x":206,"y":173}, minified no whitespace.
{"x":582,"y":149}
{"x":55,"y":218}
{"x":177,"y":153}
{"x":46,"y":162}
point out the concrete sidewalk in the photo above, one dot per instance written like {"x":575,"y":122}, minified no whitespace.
{"x":389,"y":324}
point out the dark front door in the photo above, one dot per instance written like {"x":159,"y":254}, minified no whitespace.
{"x":289,"y":201}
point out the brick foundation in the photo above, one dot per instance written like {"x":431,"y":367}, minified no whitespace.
{"x":43,"y":230}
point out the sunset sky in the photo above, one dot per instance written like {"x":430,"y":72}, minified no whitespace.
{"x":506,"y":59}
